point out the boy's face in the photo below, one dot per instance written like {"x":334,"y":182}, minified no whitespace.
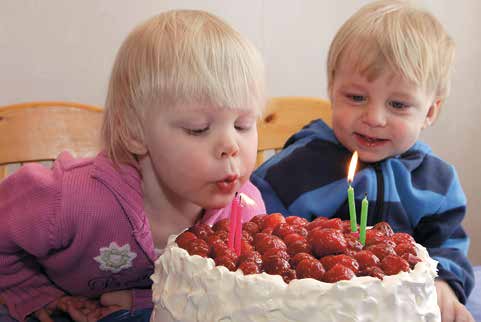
{"x":378,"y":118}
{"x":200,"y":154}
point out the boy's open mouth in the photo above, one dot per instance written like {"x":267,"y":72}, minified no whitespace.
{"x":369,"y":140}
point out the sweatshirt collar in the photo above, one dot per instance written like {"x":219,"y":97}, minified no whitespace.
{"x":125,"y":182}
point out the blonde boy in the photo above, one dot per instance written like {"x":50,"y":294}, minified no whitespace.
{"x":388,"y":73}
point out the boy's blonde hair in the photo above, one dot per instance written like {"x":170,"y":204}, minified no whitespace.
{"x":397,"y":35}
{"x":179,"y":57}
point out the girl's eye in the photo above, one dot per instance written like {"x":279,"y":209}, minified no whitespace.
{"x":245,"y":124}
{"x":243,"y":127}
{"x":197,"y":132}
{"x":356,"y":98}
{"x":397,"y":105}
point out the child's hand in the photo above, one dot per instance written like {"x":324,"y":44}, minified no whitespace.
{"x":77,"y":307}
{"x":119,"y":299}
{"x":80,"y":308}
{"x":451,"y":308}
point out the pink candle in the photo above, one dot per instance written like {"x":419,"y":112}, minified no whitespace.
{"x":233,"y":222}
{"x":238,"y":227}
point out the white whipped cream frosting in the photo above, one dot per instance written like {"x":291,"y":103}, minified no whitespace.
{"x":191,"y":288}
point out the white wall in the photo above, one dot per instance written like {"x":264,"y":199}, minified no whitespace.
{"x":63,"y":50}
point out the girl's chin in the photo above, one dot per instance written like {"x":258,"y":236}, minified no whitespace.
{"x":217,"y":203}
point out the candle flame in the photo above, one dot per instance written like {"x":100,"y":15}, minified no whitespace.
{"x":246,"y":200}
{"x":352,"y":167}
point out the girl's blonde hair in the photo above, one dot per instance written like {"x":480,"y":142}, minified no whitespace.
{"x":179,"y":57}
{"x":397,"y":35}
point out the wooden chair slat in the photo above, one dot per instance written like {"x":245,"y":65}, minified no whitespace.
{"x":285,"y":116}
{"x":39,"y":131}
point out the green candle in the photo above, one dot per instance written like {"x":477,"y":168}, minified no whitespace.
{"x":364,"y":206}
{"x":352,"y":208}
{"x":350,"y":192}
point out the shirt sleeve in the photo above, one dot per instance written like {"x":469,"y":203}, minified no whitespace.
{"x":447,"y":242}
{"x":29,"y":199}
{"x":252,"y":202}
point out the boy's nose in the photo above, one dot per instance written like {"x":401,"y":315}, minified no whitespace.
{"x":374,"y":116}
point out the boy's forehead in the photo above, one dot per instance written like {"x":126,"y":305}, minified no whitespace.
{"x":401,"y":85}
{"x":354,"y":66}
{"x":371,"y":65}
{"x":369,"y":61}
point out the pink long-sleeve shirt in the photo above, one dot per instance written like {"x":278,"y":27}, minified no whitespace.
{"x":80,"y":229}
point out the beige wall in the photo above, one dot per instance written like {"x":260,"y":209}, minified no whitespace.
{"x":63,"y":50}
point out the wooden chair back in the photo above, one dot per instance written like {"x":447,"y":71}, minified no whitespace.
{"x":283,"y":117}
{"x":39,"y":131}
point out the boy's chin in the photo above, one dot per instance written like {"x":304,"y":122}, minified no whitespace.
{"x":371,"y":157}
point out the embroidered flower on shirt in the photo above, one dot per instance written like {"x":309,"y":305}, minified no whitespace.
{"x":115,"y":258}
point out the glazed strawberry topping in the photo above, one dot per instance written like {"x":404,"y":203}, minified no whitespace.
{"x":338,"y":273}
{"x":365,"y":259}
{"x":198,"y":247}
{"x":411,"y":259}
{"x":299,"y":257}
{"x":324,"y":249}
{"x":393,"y":264}
{"x":310,"y":268}
{"x":249,"y":267}
{"x":330,"y":261}
{"x":272,"y":220}
{"x":327,"y":241}
{"x":184,"y":239}
{"x":296,"y":221}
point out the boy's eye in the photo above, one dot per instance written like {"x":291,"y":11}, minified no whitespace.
{"x":197,"y":132}
{"x":356,"y":98}
{"x":397,"y":105}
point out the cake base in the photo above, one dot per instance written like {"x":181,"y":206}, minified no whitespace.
{"x":191,"y":288}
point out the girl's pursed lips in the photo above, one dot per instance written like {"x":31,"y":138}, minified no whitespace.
{"x":228,"y":184}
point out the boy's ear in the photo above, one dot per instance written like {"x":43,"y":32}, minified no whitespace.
{"x":432,"y":114}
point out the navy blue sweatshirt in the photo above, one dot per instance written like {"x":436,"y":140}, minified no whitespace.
{"x":415,"y":192}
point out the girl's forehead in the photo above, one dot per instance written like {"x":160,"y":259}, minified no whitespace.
{"x":211,"y":108}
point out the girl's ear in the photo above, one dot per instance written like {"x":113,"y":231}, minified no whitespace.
{"x":432,"y":114}
{"x":329,"y":93}
{"x":135,"y":145}
{"x":134,"y":137}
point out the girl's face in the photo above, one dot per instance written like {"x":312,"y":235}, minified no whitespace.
{"x":200,"y":154}
{"x":379,"y":118}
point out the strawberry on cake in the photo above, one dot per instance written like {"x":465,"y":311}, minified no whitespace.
{"x":293,"y":270}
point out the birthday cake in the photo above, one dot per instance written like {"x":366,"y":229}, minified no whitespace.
{"x":293,"y":270}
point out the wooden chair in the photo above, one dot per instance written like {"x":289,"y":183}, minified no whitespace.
{"x":39,"y":131}
{"x":283,"y":117}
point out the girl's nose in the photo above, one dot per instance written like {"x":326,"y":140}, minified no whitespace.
{"x":227,"y":147}
{"x":374,"y":115}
